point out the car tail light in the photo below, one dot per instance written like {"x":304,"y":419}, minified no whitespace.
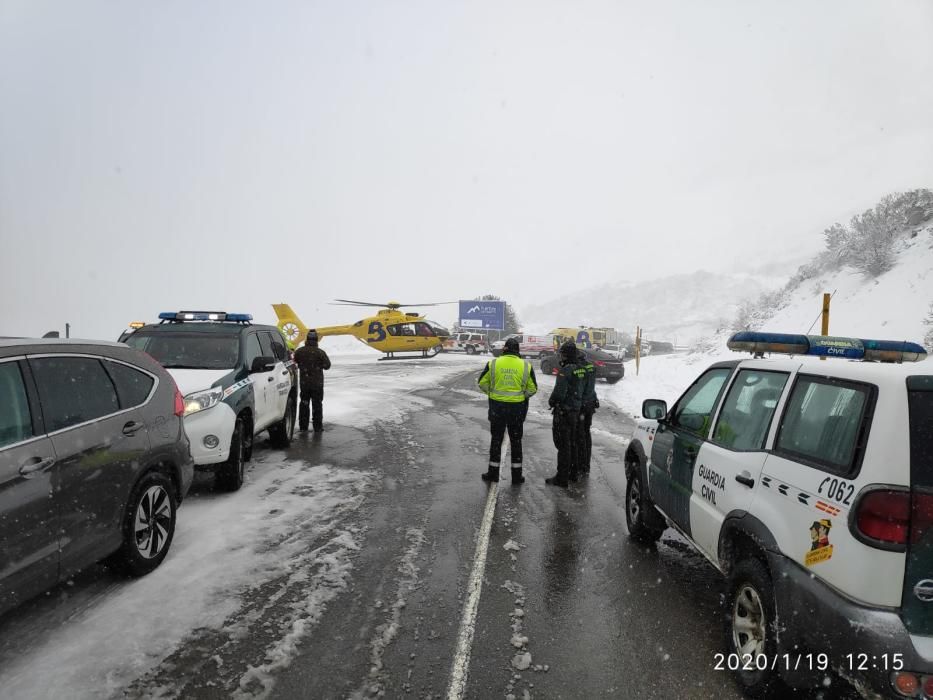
{"x":928,"y":686}
{"x":906,"y":683}
{"x":599,"y":363}
{"x":179,"y":402}
{"x":884,"y":516}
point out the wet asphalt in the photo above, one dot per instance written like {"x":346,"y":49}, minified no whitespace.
{"x":602,"y":616}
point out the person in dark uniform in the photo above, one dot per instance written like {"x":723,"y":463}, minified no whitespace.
{"x":312,"y":361}
{"x":590,"y":404}
{"x":565,"y":402}
{"x":508,"y":381}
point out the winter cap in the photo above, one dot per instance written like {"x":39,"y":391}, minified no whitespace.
{"x":511,"y":345}
{"x":312,"y":337}
{"x":568,"y":349}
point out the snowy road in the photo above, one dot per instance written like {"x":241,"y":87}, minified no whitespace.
{"x":340,"y":570}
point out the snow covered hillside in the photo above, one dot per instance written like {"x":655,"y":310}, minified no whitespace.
{"x":892,"y":306}
{"x":678,"y":308}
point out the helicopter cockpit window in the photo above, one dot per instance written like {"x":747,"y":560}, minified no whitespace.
{"x":424,"y":329}
{"x":401,"y":329}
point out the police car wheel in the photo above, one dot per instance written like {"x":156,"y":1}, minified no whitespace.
{"x":282,"y":432}
{"x":635,"y":512}
{"x":470,"y":350}
{"x":230,"y":475}
{"x":148,"y":525}
{"x":750,"y":627}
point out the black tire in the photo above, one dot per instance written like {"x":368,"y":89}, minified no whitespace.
{"x":547,"y":365}
{"x":281,"y":433}
{"x":470,"y":350}
{"x":750,"y":627}
{"x":229,"y":475}
{"x":640,"y":527}
{"x":148,"y":525}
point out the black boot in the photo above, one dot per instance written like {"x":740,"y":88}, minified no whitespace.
{"x":492,"y":474}
{"x":517,"y":477}
{"x":556,"y":480}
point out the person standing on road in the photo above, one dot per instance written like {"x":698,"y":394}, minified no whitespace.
{"x":311,"y":361}
{"x":566,"y":401}
{"x":508,"y":381}
{"x":590,"y":404}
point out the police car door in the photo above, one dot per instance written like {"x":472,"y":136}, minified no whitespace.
{"x":263,"y":385}
{"x":730,"y":462}
{"x":677,"y":443}
{"x":282,"y":381}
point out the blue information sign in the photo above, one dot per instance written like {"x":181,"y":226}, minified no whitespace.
{"x":480,"y":314}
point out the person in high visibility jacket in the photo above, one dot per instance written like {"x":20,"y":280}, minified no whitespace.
{"x":508,"y":381}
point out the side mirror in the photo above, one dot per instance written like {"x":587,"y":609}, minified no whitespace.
{"x":654,"y":409}
{"x":262,"y":364}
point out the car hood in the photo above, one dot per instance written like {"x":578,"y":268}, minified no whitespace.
{"x":190,"y":380}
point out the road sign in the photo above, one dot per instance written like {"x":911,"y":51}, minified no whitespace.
{"x":482,"y":314}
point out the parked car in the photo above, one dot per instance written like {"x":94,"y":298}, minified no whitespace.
{"x":470,"y":343}
{"x":607,"y":365}
{"x":808,"y":485}
{"x":237,"y":378}
{"x":94,"y":461}
{"x":529,"y":345}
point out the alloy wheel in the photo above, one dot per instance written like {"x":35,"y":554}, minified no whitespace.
{"x":153,"y":519}
{"x":748,"y":623}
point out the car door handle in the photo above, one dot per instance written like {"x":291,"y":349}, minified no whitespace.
{"x":133,"y":427}
{"x":285,"y":373}
{"x":745,"y":480}
{"x":271,"y":379}
{"x":38,"y":465}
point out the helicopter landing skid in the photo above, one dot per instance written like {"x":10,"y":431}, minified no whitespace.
{"x":424,"y":354}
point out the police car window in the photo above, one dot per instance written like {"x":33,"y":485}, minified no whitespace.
{"x":694,"y":408}
{"x":279,"y":351}
{"x":15,"y":418}
{"x":822,"y":422}
{"x":175,"y":350}
{"x":73,"y":390}
{"x":265,"y":342}
{"x":253,"y":349}
{"x":133,"y":386}
{"x":748,"y":409}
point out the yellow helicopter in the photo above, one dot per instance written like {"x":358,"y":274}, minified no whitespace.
{"x":389,"y":331}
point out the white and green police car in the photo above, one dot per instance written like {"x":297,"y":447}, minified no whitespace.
{"x":237,"y":380}
{"x":810,"y":485}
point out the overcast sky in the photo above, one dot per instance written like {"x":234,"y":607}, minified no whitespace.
{"x":179,"y":154}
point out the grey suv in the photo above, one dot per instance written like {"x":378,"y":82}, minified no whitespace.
{"x":94,"y":461}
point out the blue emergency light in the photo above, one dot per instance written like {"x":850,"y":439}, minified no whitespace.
{"x":181,"y":316}
{"x":827,"y":346}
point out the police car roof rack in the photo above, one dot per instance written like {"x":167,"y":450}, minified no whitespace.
{"x":827,"y":346}
{"x":216,"y":316}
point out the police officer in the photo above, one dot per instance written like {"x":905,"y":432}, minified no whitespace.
{"x":590,"y":404}
{"x":312,"y":361}
{"x":508,"y":381}
{"x":566,"y":401}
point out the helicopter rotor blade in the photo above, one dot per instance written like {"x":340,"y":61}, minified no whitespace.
{"x":350,"y":302}
{"x":436,"y":303}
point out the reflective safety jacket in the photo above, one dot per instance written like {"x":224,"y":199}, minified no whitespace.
{"x":508,"y":378}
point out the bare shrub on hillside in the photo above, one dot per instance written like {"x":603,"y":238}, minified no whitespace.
{"x":928,"y":338}
{"x":752,"y":314}
{"x":869,"y":242}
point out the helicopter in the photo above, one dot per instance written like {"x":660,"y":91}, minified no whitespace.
{"x":390,"y":331}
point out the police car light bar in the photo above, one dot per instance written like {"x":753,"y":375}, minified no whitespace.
{"x":827,"y":346}
{"x":181,"y":316}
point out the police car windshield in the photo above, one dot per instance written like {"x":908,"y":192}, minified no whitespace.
{"x":189,"y":350}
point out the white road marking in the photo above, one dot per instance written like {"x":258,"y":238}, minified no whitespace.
{"x":461,"y":665}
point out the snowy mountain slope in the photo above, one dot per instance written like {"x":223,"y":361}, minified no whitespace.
{"x":892,"y":306}
{"x":677,"y":308}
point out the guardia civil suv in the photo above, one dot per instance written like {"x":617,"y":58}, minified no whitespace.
{"x":237,"y":379}
{"x":809,"y":484}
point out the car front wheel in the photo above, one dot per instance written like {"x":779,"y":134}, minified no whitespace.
{"x":637,"y":517}
{"x":230,"y":474}
{"x":282,"y":432}
{"x":148,"y":525}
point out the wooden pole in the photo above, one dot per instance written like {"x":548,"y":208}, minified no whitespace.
{"x":824,"y":328}
{"x":637,"y":349}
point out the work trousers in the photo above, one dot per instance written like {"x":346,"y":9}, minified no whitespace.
{"x":506,"y":416}
{"x":564,"y":430}
{"x":314,"y":395}
{"x":585,"y":440}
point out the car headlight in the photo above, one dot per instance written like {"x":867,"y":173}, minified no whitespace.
{"x":201,"y":400}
